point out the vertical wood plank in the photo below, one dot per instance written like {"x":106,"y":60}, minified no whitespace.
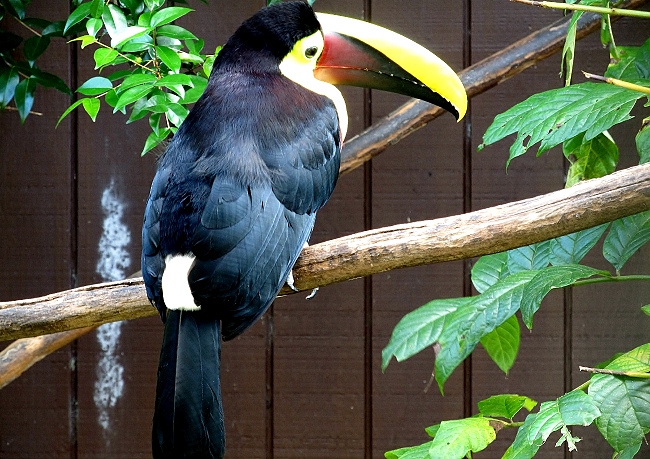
{"x":539,"y":369}
{"x":318,"y":344}
{"x":35,"y":242}
{"x":420,"y":178}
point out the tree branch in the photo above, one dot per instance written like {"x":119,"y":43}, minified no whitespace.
{"x":477,"y":233}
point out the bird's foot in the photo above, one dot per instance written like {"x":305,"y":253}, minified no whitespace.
{"x":290,"y":282}
{"x":312,"y":294}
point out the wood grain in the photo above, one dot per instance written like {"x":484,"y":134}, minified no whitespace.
{"x":491,"y":230}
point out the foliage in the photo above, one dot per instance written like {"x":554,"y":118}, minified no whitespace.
{"x":158,"y":68}
{"x":577,"y":118}
{"x":20,"y":73}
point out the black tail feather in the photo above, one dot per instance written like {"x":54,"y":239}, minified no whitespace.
{"x":188,"y":418}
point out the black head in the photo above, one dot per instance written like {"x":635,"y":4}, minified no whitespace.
{"x":262,"y":41}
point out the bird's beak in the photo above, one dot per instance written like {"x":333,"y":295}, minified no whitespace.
{"x":358,"y":53}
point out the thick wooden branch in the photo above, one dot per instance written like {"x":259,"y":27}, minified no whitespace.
{"x":452,"y":238}
{"x":477,"y":79}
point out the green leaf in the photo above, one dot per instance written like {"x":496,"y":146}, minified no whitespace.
{"x":55,"y":29}
{"x":633,"y":63}
{"x":9,"y":79}
{"x":85,"y":40}
{"x":167,"y":15}
{"x":154,"y":4}
{"x":93,"y":26}
{"x":572,"y":248}
{"x":643,"y":142}
{"x":411,"y":452}
{"x":139,"y":110}
{"x":175,"y":79}
{"x":174,"y":31}
{"x":49,"y":81}
{"x":169,"y":57}
{"x":131,"y":95}
{"x":534,"y":256}
{"x":95,"y":86}
{"x":69,"y":110}
{"x":34,"y":47}
{"x":138,"y":44}
{"x":176,"y":114}
{"x":465,"y":327}
{"x":127,"y":34}
{"x":629,"y":452}
{"x":566,"y":65}
{"x":458,"y":438}
{"x":91,"y":106}
{"x":646,"y":309}
{"x":193,"y":94}
{"x":419,"y":329}
{"x":9,"y":41}
{"x":624,"y":402}
{"x":79,"y":14}
{"x":505,"y":405}
{"x":521,"y":448}
{"x":154,"y":139}
{"x":502,"y":343}
{"x":554,"y":116}
{"x":104,"y":56}
{"x":488,"y":270}
{"x":17,"y":7}
{"x":626,"y":236}
{"x":571,"y":409}
{"x":97,"y":8}
{"x":114,"y":21}
{"x":550,"y":278}
{"x":135,"y":80}
{"x":589,"y":159}
{"x":24,"y":97}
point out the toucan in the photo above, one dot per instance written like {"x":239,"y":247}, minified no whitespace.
{"x":236,"y":192}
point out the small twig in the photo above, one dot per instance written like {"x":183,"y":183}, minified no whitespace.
{"x":591,"y":9}
{"x":617,"y":82}
{"x":10,"y":107}
{"x":27,"y":27}
{"x":604,"y":371}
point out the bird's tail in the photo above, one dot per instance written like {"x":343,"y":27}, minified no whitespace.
{"x":188,"y":418}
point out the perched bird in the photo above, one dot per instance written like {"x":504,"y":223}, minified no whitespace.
{"x":236,"y":193}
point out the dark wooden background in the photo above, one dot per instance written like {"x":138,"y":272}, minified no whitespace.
{"x":306,"y":380}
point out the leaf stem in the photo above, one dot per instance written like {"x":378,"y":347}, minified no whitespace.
{"x":598,"y":280}
{"x":137,"y":64}
{"x":619,"y":83}
{"x":592,"y":9}
{"x":27,"y":27}
{"x":605,"y":371}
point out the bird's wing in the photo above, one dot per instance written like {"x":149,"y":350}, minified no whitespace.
{"x":153,"y":262}
{"x":260,"y":185}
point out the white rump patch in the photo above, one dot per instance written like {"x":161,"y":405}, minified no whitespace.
{"x":175,"y":285}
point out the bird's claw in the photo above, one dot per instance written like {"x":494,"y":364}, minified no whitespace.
{"x":290,"y":282}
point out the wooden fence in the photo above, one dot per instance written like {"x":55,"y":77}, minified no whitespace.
{"x":305,"y":381}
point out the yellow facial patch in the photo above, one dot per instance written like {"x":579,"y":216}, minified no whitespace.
{"x":299,"y":67}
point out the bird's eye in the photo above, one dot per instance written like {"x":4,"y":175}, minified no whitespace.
{"x":311,"y":52}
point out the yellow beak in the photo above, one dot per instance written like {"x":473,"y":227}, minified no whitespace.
{"x":359,"y":53}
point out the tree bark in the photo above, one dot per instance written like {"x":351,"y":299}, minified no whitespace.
{"x":486,"y":231}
